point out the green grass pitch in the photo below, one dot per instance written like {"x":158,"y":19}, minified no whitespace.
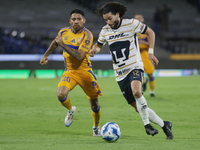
{"x":31,"y":117}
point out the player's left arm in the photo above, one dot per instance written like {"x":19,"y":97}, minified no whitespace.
{"x":151,"y":40}
{"x":77,"y":54}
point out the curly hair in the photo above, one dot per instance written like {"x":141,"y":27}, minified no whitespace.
{"x":112,"y":7}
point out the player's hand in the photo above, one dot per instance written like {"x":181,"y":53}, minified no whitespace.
{"x":153,"y":59}
{"x":92,"y":52}
{"x":59,"y":40}
{"x":43,"y":61}
{"x":95,"y":49}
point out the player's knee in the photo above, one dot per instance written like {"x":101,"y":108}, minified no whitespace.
{"x":95,"y":107}
{"x":137,"y":93}
{"x":61,"y":95}
{"x":94,"y":104}
{"x":150,"y":76}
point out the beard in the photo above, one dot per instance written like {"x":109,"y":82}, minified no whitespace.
{"x":116,"y":23}
{"x":76,"y":27}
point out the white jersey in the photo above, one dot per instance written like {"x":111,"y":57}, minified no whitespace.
{"x":124,"y":47}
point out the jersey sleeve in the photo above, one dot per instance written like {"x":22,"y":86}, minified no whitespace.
{"x":139,"y":27}
{"x":59,"y":33}
{"x":62,"y":31}
{"x":87,"y":41}
{"x":101,"y":40}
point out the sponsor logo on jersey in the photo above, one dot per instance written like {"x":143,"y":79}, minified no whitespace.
{"x":85,"y":47}
{"x":99,"y":92}
{"x":116,"y":36}
{"x":120,"y":72}
{"x":94,"y":84}
{"x":87,"y":42}
{"x":141,"y":26}
{"x":73,"y":41}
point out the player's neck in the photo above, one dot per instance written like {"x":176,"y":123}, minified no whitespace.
{"x":119,"y":24}
{"x":78,"y":31}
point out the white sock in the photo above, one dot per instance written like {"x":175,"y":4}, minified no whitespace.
{"x":73,"y":109}
{"x":151,"y":92}
{"x":142,"y":109}
{"x":95,"y":127}
{"x":153,"y":117}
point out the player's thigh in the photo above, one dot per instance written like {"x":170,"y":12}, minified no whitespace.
{"x":136,"y":82}
{"x":67,"y":80}
{"x":136,"y":86}
{"x":89,"y":84}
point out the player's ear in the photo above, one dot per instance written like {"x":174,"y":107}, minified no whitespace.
{"x":69,"y":21}
{"x":84,"y":20}
{"x":117,"y":14}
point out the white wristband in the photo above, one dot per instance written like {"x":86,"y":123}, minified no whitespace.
{"x":150,"y":51}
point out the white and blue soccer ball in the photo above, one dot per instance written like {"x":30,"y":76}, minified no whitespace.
{"x":110,"y":132}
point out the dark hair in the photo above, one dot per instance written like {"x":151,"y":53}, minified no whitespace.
{"x":77,"y":11}
{"x":112,"y":7}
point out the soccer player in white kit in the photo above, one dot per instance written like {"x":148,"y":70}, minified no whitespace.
{"x":121,"y":35}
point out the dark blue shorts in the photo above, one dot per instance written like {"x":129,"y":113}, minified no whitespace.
{"x":125,"y":84}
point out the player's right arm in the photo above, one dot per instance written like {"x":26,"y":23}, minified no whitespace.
{"x":96,"y":48}
{"x":51,"y":48}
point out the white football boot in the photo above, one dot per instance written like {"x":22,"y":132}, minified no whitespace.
{"x":96,"y":131}
{"x":69,"y":117}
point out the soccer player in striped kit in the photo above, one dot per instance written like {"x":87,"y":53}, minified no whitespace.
{"x":121,"y":35}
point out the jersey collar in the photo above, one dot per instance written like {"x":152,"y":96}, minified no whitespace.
{"x":78,"y":31}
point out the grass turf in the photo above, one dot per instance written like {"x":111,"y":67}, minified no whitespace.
{"x":32,"y":118}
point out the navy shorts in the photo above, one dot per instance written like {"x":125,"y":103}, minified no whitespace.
{"x":125,"y":84}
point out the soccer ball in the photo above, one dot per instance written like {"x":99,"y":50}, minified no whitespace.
{"x":110,"y":132}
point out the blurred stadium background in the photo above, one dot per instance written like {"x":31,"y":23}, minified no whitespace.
{"x":28,"y":26}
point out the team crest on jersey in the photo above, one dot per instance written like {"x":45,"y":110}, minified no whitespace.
{"x":66,"y":37}
{"x":79,"y":40}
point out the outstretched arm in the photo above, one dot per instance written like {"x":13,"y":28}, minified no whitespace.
{"x":151,"y":40}
{"x":78,"y":55}
{"x":96,"y":48}
{"x":51,"y":48}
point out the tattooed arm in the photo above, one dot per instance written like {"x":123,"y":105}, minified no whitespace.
{"x":51,"y":48}
{"x":78,"y":55}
